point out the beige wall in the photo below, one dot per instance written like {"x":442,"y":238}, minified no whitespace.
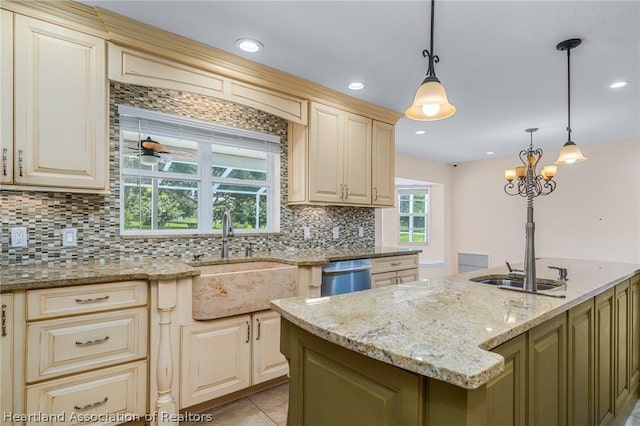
{"x":593,"y":214}
{"x":439,"y":247}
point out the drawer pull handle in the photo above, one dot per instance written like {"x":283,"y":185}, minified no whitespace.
{"x":91,"y":404}
{"x":92,"y":342}
{"x":4,"y":320}
{"x":92,"y":299}
{"x":396,"y":263}
{"x":248,"y":332}
{"x":258,"y":332}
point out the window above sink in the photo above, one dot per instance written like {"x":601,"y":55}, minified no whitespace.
{"x":178,"y":175}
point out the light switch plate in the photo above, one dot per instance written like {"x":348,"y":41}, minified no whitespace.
{"x":69,"y":237}
{"x":19,"y":237}
{"x":336,"y":232}
{"x":360,"y":232}
{"x":307,"y":232}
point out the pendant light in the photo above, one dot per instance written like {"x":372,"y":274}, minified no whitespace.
{"x":570,"y":152}
{"x":430,"y":102}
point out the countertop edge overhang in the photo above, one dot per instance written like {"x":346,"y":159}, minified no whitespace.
{"x":35,"y":276}
{"x":444,"y":328}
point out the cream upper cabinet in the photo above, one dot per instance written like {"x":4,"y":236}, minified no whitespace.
{"x":60,"y":101}
{"x":339,"y":156}
{"x":383,"y":164}
{"x":6,"y":89}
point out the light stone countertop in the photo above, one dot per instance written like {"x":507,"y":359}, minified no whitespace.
{"x":34,"y":276}
{"x":444,"y":328}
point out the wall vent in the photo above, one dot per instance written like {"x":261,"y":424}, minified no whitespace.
{"x":472,"y":262}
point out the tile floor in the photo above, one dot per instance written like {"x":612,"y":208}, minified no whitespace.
{"x":269,"y":408}
{"x":266,"y":408}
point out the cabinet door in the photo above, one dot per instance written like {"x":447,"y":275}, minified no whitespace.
{"x":604,"y":356}
{"x":6,"y":356}
{"x":621,"y":363}
{"x":547,"y":359}
{"x":268,"y":363}
{"x":215,"y":359}
{"x":383,"y":279}
{"x":634,"y":332}
{"x":581,"y":364}
{"x":383,"y":164}
{"x":60,"y":107}
{"x":506,"y":393}
{"x":407,"y":276}
{"x":6,"y":89}
{"x":326,"y":131}
{"x":357,"y":159}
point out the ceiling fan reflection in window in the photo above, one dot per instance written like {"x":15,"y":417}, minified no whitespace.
{"x":150,"y":151}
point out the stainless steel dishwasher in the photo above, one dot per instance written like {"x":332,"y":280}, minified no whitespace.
{"x":345,"y":276}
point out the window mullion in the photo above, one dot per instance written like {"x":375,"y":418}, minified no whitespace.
{"x":205,"y":202}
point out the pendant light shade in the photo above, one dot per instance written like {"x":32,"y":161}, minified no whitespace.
{"x":570,"y":152}
{"x":431,"y":102}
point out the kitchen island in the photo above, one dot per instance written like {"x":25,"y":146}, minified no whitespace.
{"x":454,"y":352}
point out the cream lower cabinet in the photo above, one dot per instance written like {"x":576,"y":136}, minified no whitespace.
{"x":86,"y":352}
{"x":506,"y":393}
{"x":394,"y":270}
{"x":222,"y":356}
{"x":6,"y":357}
{"x":60,"y":108}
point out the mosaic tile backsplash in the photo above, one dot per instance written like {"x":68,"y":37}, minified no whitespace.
{"x":97,"y":217}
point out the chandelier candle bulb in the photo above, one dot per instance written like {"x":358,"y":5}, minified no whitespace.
{"x":548,"y":172}
{"x":521,"y":171}
{"x":510,"y":174}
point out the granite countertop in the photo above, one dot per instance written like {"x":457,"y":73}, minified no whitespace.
{"x":27,"y":277}
{"x":444,"y":328}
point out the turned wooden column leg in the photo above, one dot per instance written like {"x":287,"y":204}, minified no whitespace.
{"x":165,"y":404}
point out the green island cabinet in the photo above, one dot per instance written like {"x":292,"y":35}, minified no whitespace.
{"x":580,"y":368}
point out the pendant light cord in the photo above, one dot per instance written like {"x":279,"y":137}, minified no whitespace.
{"x":569,"y":94}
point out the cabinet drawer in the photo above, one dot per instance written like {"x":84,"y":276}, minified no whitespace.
{"x":55,"y":302}
{"x":393,"y":263}
{"x":114,"y":395}
{"x":63,"y":346}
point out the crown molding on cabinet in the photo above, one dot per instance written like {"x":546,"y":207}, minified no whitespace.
{"x":130,"y":33}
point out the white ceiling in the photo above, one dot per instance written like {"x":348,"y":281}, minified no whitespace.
{"x":498,"y":62}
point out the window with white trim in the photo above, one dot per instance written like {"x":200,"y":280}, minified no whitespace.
{"x":179,"y":175}
{"x":413,"y":208}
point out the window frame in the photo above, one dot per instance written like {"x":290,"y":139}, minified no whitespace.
{"x":412,"y":191}
{"x":207,"y":136}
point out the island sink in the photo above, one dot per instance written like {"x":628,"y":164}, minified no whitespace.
{"x":517,"y":283}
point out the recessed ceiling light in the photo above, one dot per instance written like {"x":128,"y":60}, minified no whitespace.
{"x":356,"y":85}
{"x":420,"y":132}
{"x":618,"y":84}
{"x":249,"y":45}
{"x":490,"y":152}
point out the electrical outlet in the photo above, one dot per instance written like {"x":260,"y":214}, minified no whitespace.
{"x":336,"y":232}
{"x":360,"y":232}
{"x":307,"y":232}
{"x":69,"y":237}
{"x":19,"y":237}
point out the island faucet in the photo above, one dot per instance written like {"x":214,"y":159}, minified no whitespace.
{"x":227,"y":231}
